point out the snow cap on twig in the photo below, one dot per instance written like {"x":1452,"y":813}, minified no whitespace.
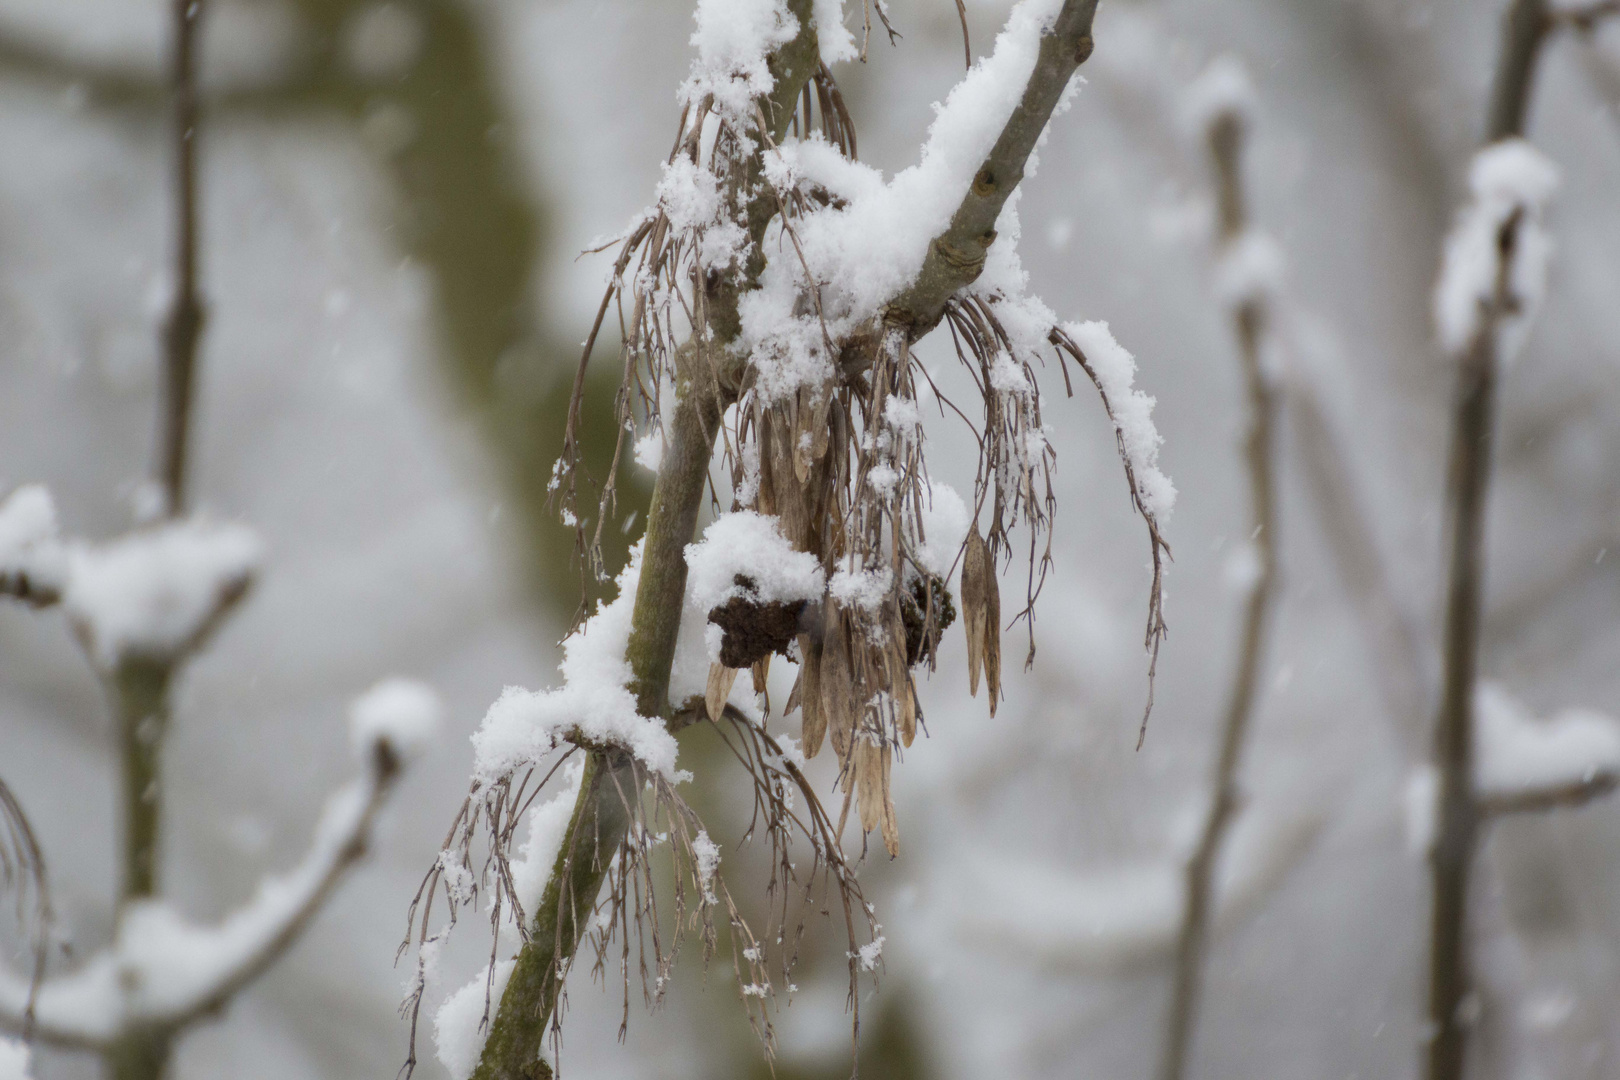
{"x":1223,"y":91}
{"x":402,"y":714}
{"x":1511,"y":183}
{"x":32,"y":565}
{"x":157,"y":593}
{"x":14,"y":1060}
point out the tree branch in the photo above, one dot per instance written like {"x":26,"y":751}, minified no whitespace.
{"x":183,"y":326}
{"x":600,"y":821}
{"x":956,"y":257}
{"x":1473,"y":431}
{"x":518,"y":1030}
{"x":1225,"y":135}
{"x":1576,"y":793}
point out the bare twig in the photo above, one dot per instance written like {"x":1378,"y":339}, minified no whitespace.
{"x":1226,"y":135}
{"x":183,"y":325}
{"x":1473,"y":430}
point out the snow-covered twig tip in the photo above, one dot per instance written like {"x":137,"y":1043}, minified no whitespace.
{"x":154,"y":594}
{"x":1495,"y":268}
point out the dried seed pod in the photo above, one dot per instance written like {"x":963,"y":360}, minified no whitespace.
{"x":820,"y":426}
{"x":891,"y":823}
{"x":975,"y":609}
{"x":765,"y":500}
{"x":869,"y":779}
{"x":981,"y":616}
{"x":992,"y":636}
{"x":761,"y":669}
{"x":898,"y":675}
{"x":810,"y":433}
{"x":793,"y":503}
{"x":718,"y":690}
{"x":814,"y":715}
{"x":838,"y":434}
{"x":838,"y":701}
{"x":799,"y":445}
{"x":906,"y":708}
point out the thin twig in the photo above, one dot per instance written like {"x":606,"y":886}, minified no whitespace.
{"x":1226,"y":136}
{"x":1473,"y":432}
{"x":183,"y":326}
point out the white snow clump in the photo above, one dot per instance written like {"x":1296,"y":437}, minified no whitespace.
{"x":1223,"y":89}
{"x":459,"y":1031}
{"x":593,"y":702}
{"x":29,"y":549}
{"x":13,"y":1060}
{"x":751,"y":545}
{"x":151,"y":592}
{"x":1507,"y":178}
{"x":1517,"y":753}
{"x":1133,"y":413}
{"x":404,"y":713}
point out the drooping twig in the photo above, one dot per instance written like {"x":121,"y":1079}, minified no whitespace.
{"x":1226,"y":135}
{"x":22,"y":867}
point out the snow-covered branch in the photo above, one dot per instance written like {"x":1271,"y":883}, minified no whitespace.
{"x":155,"y":594}
{"x":164,"y":973}
{"x":1524,"y":764}
{"x":1491,"y":279}
{"x":957,"y":255}
{"x":774,"y":293}
{"x":31,"y":560}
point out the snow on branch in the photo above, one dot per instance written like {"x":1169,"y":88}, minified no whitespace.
{"x":157,"y":593}
{"x":31,"y":561}
{"x":593,"y":705}
{"x":1523,"y":763}
{"x":165,"y":972}
{"x":152,"y":594}
{"x":1495,"y":267}
{"x":771,"y":298}
{"x":14,"y":1060}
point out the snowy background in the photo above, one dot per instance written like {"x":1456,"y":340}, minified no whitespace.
{"x":394,"y":195}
